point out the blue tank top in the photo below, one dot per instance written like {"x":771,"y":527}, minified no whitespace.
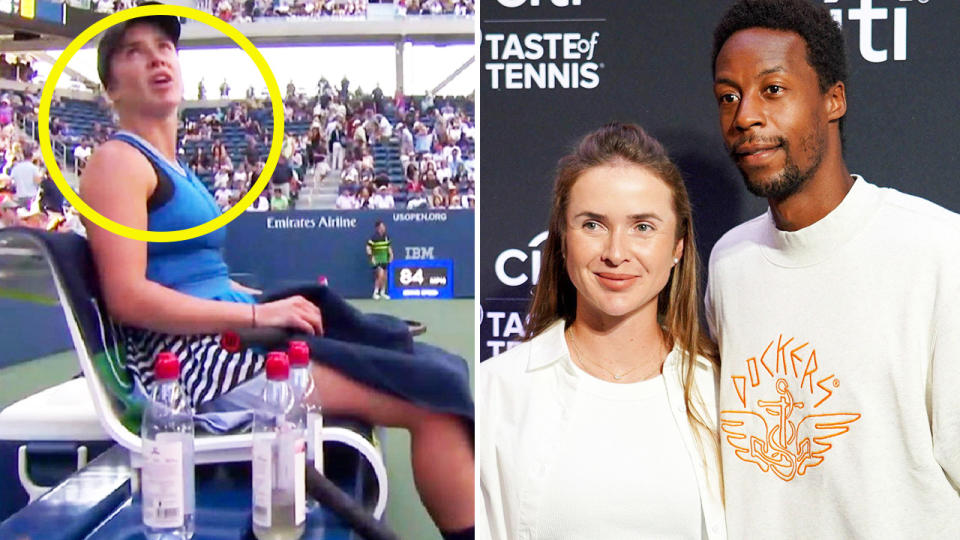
{"x":196,"y":266}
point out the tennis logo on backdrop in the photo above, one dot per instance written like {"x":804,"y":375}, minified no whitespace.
{"x":866,"y":15}
{"x":515,"y":274}
{"x":543,"y":60}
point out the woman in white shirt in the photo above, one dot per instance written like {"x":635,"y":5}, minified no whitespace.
{"x":602,"y":423}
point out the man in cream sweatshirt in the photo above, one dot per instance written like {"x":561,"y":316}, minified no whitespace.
{"x":835,"y":311}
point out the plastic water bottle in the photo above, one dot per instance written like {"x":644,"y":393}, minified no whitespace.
{"x":305,"y":393}
{"x":279,"y":457}
{"x":168,"y":472}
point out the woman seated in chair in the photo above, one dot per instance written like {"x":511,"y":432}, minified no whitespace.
{"x":178,"y":297}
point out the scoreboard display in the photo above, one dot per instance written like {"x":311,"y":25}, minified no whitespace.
{"x":48,"y":17}
{"x":432,"y":278}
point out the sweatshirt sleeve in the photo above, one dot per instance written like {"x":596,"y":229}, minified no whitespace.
{"x":944,"y":383}
{"x":709,"y":303}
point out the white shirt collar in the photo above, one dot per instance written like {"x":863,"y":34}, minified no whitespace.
{"x":550,"y":349}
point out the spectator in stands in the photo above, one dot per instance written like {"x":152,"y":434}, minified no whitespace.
{"x":427,"y":102}
{"x":98,"y":133}
{"x":56,"y":126}
{"x":406,"y":139}
{"x":336,"y":141}
{"x":417,"y":200}
{"x":222,"y":178}
{"x":321,"y":169}
{"x":200,"y":162}
{"x":282,"y":176}
{"x":221,"y":156}
{"x":6,"y":111}
{"x":201,"y":90}
{"x":382,"y":199}
{"x":225,"y":10}
{"x":359,"y":139}
{"x":82,"y":153}
{"x":437,"y":199}
{"x":296,"y":163}
{"x":363,"y":199}
{"x":463,"y":8}
{"x":456,"y":165}
{"x":422,"y":139}
{"x":414,"y":185}
{"x":253,"y":128}
{"x":454,"y":201}
{"x":346,"y":200}
{"x":251,"y":151}
{"x":381,"y":180}
{"x":279,"y":201}
{"x":344,"y":89}
{"x":241,"y":179}
{"x":351,"y":175}
{"x":316,"y":146}
{"x":224,"y":89}
{"x":26,"y":177}
{"x":429,"y":178}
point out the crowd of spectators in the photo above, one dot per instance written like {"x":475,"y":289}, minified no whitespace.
{"x":463,"y":8}
{"x":28,"y":196}
{"x":252,"y":10}
{"x":381,"y":152}
{"x":432,"y":142}
{"x":18,"y":67}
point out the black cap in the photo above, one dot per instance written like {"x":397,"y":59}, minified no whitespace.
{"x":113,"y":37}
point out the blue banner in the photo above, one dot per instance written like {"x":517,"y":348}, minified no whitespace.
{"x":281,"y":249}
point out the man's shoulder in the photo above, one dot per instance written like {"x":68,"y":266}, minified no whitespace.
{"x":920,"y":212}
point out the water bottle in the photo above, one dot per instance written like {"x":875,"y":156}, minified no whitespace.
{"x":168,"y":473}
{"x":305,"y":393}
{"x":279,"y":457}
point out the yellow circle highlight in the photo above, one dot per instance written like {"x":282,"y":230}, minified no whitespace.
{"x":160,"y":236}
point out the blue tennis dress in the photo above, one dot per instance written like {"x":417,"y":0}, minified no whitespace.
{"x":373,"y":349}
{"x":193,"y":267}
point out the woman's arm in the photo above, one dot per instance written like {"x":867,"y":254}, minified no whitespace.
{"x":117,"y":182}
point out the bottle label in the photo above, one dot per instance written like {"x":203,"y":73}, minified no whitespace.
{"x":291,"y":460}
{"x":163,"y":481}
{"x":262,"y":478}
{"x":299,"y":480}
{"x":315,"y":431}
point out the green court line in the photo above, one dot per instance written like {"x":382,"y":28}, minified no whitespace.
{"x":14,"y":294}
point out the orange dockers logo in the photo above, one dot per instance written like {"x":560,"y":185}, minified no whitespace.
{"x":790,"y":435}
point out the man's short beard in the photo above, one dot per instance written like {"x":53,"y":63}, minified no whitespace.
{"x":791,"y":179}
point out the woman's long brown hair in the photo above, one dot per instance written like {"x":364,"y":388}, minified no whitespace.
{"x":678,"y":305}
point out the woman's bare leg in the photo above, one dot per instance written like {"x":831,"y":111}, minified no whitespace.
{"x":442,"y":451}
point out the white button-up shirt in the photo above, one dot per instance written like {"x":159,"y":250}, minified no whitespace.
{"x":522,"y":418}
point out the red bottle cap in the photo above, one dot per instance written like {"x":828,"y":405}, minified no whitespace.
{"x":299,"y":353}
{"x":230,"y":341}
{"x":167,"y":366}
{"x":278,"y":366}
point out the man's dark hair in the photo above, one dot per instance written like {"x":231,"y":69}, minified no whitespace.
{"x":825,"y":46}
{"x":378,"y":223}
